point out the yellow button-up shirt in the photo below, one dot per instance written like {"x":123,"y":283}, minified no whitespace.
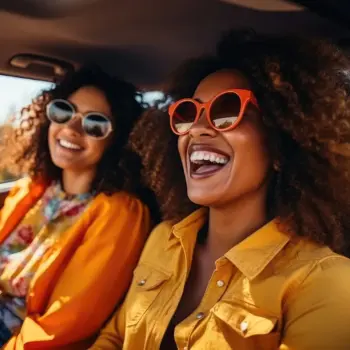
{"x":268,"y":292}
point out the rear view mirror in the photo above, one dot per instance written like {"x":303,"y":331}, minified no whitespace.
{"x":45,"y":8}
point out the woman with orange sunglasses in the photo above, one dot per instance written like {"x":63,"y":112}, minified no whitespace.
{"x":263,"y":132}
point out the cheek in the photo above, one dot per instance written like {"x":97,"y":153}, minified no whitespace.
{"x":97,"y":149}
{"x":251,"y":152}
{"x":53,"y":131}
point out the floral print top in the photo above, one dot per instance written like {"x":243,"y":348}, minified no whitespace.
{"x":22,"y":251}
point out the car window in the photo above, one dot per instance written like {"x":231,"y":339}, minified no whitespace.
{"x":16,"y":93}
{"x":151,"y":97}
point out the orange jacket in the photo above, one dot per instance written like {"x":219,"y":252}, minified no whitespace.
{"x":83,"y":276}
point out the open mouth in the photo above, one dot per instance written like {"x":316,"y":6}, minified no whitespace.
{"x":69,"y":145}
{"x":207,"y":162}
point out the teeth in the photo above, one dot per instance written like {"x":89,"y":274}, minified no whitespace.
{"x":212,"y":157}
{"x":69,"y":145}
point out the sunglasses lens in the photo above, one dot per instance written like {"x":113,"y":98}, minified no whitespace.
{"x":59,"y":111}
{"x":96,"y":125}
{"x":225,"y":110}
{"x":184,"y":116}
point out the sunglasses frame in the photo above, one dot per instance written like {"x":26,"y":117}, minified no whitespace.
{"x":245,"y":96}
{"x":82,"y":116}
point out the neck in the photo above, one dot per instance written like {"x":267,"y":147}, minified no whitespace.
{"x":231,"y":224}
{"x":77,"y":182}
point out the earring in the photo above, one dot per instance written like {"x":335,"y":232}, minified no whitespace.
{"x":277,"y":166}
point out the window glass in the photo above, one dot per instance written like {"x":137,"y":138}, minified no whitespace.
{"x":151,"y":97}
{"x":16,"y":93}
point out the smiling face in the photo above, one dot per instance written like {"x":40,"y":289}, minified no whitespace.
{"x":223,"y":167}
{"x":70,"y":148}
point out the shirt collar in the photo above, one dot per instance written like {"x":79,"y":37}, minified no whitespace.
{"x":253,"y":254}
{"x":191,"y":223}
{"x":187,"y":229}
{"x":250,"y":256}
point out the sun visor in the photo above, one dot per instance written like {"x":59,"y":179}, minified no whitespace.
{"x":267,"y":5}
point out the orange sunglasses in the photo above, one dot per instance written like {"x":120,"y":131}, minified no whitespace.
{"x":223,"y":112}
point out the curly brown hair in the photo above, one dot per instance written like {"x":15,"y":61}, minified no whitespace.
{"x":302,"y":87}
{"x":25,"y":149}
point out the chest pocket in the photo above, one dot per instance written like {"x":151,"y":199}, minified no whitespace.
{"x":245,"y":329}
{"x":146,"y":286}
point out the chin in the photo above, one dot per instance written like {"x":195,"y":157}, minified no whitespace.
{"x":206,"y":192}
{"x":203,"y":199}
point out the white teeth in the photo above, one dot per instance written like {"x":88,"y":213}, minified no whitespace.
{"x":211,"y":156}
{"x":69,"y":145}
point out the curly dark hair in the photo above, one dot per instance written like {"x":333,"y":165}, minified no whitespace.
{"x":26,"y":150}
{"x":302,"y":87}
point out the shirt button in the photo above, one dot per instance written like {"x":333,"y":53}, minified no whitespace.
{"x":141,"y":283}
{"x":200,"y":315}
{"x":220,"y":283}
{"x":244,"y":326}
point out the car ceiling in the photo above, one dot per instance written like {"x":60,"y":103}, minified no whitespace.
{"x":141,"y":40}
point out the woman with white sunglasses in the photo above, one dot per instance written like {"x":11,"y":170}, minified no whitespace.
{"x":70,"y":233}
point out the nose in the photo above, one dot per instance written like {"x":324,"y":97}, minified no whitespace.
{"x":75,"y":124}
{"x":202,"y":127}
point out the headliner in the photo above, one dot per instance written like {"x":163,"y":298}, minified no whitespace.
{"x":143,"y":40}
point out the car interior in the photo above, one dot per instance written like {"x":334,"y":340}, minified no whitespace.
{"x":144,"y":40}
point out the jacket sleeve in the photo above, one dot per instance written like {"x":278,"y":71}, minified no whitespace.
{"x":18,"y":191}
{"x":94,"y":280}
{"x":317,"y":316}
{"x":113,"y":335}
{"x":110,"y":337}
